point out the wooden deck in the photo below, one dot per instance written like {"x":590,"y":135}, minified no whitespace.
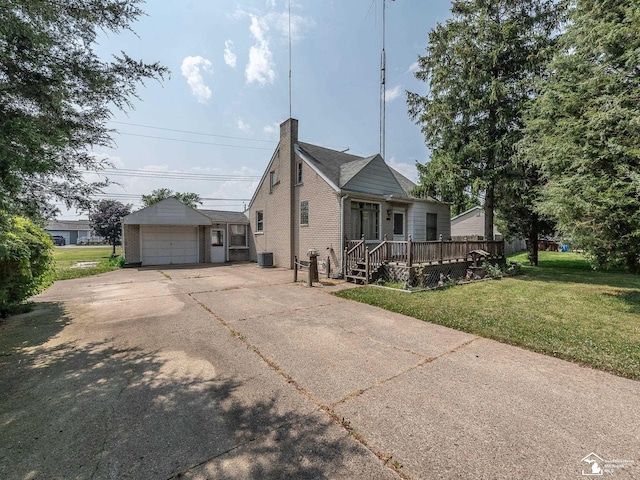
{"x":362,"y":260}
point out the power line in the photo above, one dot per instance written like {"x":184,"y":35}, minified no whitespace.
{"x":138,"y":197}
{"x":192,"y":141}
{"x":193,"y":133}
{"x":125,"y":172}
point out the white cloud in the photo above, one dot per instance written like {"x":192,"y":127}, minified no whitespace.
{"x":391,"y":94}
{"x":273,"y":129}
{"x":413,"y":67}
{"x":406,"y":169}
{"x":280,"y":23}
{"x":192,"y":69}
{"x":260,"y":67}
{"x":245,"y":127}
{"x":229,"y":55}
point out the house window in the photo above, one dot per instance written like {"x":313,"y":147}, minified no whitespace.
{"x":217,"y":238}
{"x":272,"y":180}
{"x":237,"y":235}
{"x":365,"y":220}
{"x":304,"y":213}
{"x":259,"y":221}
{"x":298,"y":173}
{"x":398,"y":223}
{"x":432,"y":226}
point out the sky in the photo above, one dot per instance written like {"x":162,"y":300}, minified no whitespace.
{"x":211,"y":128}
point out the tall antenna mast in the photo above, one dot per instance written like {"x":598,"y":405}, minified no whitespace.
{"x":383,"y":81}
{"x":290,"y":115}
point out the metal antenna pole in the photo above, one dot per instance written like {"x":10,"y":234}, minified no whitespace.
{"x":290,"y":108}
{"x":383,"y":94}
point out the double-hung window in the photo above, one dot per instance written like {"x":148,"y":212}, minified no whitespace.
{"x":259,"y":221}
{"x":237,"y":235}
{"x":304,"y":213}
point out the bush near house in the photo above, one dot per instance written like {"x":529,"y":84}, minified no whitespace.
{"x":26,"y":262}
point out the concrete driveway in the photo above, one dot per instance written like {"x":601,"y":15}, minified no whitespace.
{"x":234,"y":372}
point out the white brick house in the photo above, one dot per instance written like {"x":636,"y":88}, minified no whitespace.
{"x":311,"y":197}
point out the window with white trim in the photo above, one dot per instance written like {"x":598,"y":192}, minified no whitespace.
{"x":259,"y":221}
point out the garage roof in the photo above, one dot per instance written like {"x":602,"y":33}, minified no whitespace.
{"x":167,"y":212}
{"x":221,"y":216}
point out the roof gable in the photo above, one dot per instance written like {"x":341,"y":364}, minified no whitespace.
{"x":375,"y":177}
{"x":167,"y":212}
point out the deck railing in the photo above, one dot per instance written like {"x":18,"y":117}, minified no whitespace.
{"x":414,"y":253}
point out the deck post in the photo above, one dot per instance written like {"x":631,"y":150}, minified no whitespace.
{"x":409,"y":252}
{"x":366,"y":266}
{"x":441,"y":250}
{"x":295,"y":269}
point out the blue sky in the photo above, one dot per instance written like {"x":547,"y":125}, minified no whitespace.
{"x":229,"y":82}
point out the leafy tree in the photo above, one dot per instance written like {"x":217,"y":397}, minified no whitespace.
{"x":584,"y":131}
{"x":190,"y":199}
{"x":26,"y":261}
{"x":480,"y":66}
{"x":56,"y":95}
{"x":106,"y":220}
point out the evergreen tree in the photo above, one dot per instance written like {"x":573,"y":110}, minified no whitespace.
{"x":584,"y":132}
{"x":480,"y":67}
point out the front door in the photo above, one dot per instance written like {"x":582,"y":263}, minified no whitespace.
{"x":399,"y":227}
{"x":217,"y":246}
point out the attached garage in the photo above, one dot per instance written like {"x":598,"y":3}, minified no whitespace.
{"x":168,"y":244}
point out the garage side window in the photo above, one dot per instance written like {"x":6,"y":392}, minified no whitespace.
{"x":304,"y":213}
{"x":259,"y":221}
{"x":238,"y":236}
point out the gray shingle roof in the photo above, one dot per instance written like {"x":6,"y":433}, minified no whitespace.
{"x":223,"y":216}
{"x":69,"y":225}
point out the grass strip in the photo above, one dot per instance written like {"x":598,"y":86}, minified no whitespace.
{"x":561,"y":308}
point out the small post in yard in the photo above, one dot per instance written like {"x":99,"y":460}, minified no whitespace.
{"x":328,"y":267}
{"x":295,"y":269}
{"x":313,"y":267}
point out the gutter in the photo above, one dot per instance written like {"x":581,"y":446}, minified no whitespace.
{"x":342,"y":245}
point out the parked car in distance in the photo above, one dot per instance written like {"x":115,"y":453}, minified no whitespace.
{"x":91,"y":240}
{"x":58,"y":240}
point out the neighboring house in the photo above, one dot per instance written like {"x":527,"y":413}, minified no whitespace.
{"x":169,"y":232}
{"x":311,"y":197}
{"x":470,"y":225}
{"x":70,"y":230}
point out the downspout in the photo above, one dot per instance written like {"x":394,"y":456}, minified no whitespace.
{"x":226,"y":243}
{"x":342,"y":244}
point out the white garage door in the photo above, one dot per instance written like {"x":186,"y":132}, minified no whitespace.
{"x":169,"y":244}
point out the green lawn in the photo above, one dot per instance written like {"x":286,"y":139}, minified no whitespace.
{"x":67,"y":257}
{"x":561,"y":308}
